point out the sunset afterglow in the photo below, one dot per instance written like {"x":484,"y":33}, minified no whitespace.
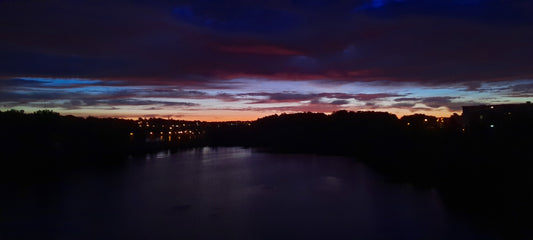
{"x":235,"y":60}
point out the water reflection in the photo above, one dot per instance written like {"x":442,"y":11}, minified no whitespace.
{"x":234,"y":193}
{"x":158,"y":155}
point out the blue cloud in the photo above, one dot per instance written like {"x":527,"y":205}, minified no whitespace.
{"x":480,"y":10}
{"x":62,"y":82}
{"x":374,"y":4}
{"x":237,"y":19}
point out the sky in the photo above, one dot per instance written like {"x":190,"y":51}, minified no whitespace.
{"x":240,"y":60}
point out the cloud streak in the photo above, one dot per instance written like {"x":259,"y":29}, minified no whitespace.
{"x":147,"y":41}
{"x":143,"y":52}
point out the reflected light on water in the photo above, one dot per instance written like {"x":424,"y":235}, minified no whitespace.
{"x":234,"y":193}
{"x":227,"y":154}
{"x":158,"y":155}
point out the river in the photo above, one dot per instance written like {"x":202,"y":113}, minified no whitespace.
{"x":231,"y":193}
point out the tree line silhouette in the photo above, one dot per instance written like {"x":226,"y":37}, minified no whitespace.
{"x":482,"y":170}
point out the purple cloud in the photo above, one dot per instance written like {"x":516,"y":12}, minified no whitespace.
{"x":185,"y":49}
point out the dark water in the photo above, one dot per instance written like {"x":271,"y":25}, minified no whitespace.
{"x":230,"y":193}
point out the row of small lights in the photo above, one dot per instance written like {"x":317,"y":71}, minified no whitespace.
{"x":148,"y":125}
{"x":425,"y":120}
{"x":178,"y":132}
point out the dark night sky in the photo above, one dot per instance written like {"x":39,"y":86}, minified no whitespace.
{"x":230,"y":59}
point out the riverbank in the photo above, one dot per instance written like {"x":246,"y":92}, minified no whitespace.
{"x":485,"y":173}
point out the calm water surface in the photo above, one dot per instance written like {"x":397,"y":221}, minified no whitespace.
{"x":230,"y":193}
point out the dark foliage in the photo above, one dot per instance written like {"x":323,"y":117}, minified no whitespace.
{"x":481,"y":169}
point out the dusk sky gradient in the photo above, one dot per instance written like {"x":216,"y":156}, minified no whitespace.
{"x":240,"y":60}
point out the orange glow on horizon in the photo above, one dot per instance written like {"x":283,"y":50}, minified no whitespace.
{"x":227,"y":115}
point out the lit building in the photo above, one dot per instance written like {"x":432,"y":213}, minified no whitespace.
{"x":495,"y":116}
